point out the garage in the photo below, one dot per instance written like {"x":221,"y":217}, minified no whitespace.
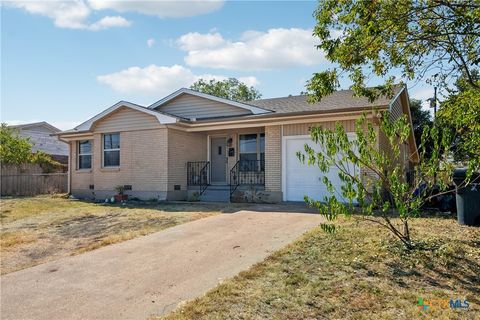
{"x":301,"y":179}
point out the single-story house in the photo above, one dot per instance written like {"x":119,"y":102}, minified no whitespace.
{"x":42,"y":138}
{"x":191,"y":145}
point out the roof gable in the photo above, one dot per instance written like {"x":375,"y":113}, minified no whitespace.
{"x":191,"y":104}
{"x":31,"y":126}
{"x":193,"y":107}
{"x":88,"y":125}
{"x":126,"y":119}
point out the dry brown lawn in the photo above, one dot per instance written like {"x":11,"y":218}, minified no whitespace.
{"x":39,"y":229}
{"x":358,"y":273}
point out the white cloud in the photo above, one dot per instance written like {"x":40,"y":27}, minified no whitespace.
{"x":250,"y":81}
{"x":158,"y":80}
{"x":161,"y":8}
{"x":74,"y":14}
{"x":150,"y":42}
{"x":70,"y":14}
{"x":276,"y":48}
{"x":65,"y":14}
{"x":196,"y":41}
{"x":422,"y":93}
{"x":108,"y":22}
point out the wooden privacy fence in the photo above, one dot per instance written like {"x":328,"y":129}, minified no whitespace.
{"x":29,"y":180}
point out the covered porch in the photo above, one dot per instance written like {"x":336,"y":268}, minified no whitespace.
{"x":234,"y":165}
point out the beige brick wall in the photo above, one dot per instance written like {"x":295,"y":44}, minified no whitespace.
{"x":146,"y":161}
{"x":143,"y":162}
{"x":182,"y":148}
{"x":80,"y":179}
{"x":154,"y":160}
{"x":304,"y":128}
{"x":273,"y":158}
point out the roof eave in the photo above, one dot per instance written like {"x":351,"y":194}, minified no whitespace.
{"x":286,"y":114}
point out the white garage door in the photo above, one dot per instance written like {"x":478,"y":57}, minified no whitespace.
{"x":301,"y":179}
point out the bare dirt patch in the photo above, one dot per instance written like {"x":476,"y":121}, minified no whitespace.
{"x":40,"y":229}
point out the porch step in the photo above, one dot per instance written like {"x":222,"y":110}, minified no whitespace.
{"x":216,"y":194}
{"x":219,"y":187}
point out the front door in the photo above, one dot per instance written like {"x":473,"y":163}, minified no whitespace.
{"x":218,"y":159}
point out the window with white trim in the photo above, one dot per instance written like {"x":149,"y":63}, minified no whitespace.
{"x":84,"y":151}
{"x":111,"y":150}
{"x":252,"y":151}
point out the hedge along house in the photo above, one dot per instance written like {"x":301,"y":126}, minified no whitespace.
{"x":191,"y":145}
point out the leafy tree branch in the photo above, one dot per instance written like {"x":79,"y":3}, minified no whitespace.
{"x":231,"y":89}
{"x":438,"y":39}
{"x":381,"y":187}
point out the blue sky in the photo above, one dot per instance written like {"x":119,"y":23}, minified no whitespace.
{"x":65,"y":61}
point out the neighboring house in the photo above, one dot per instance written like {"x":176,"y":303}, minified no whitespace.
{"x":191,"y":144}
{"x":42,"y":138}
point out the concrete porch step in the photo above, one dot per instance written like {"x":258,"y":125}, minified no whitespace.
{"x":216,"y":194}
{"x":218,"y":187}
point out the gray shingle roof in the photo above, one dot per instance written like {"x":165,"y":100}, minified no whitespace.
{"x":338,"y":100}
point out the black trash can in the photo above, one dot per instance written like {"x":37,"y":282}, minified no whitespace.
{"x":468,"y":198}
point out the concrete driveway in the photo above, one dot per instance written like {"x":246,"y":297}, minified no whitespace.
{"x":149,"y":275}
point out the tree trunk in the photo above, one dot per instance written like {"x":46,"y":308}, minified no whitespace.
{"x":406,"y":236}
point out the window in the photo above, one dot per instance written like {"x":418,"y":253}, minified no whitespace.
{"x":84,"y":149}
{"x":111,"y":150}
{"x":252,"y":151}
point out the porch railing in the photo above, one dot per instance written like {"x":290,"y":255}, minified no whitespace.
{"x":247,"y":172}
{"x":198,"y":174}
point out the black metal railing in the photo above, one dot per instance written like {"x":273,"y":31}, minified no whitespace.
{"x":247,"y":172}
{"x":198,"y":174}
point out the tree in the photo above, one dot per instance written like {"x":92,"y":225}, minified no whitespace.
{"x":231,"y":89}
{"x":13,"y":148}
{"x":460,"y":113}
{"x":17,"y":150}
{"x":420,"y":119}
{"x":380,"y":187}
{"x":431,"y":40}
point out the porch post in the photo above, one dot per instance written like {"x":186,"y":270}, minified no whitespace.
{"x":273,"y":162}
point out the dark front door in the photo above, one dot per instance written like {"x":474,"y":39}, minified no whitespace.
{"x":218,"y":159}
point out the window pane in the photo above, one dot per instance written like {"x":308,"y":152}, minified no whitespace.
{"x":262,"y":161}
{"x":84,"y":147}
{"x":262,"y":142}
{"x":111,"y":141}
{"x":84,"y":162}
{"x":107,"y":142}
{"x":248,"y":162}
{"x":248,"y":156}
{"x":248,"y":143}
{"x":111,"y":158}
